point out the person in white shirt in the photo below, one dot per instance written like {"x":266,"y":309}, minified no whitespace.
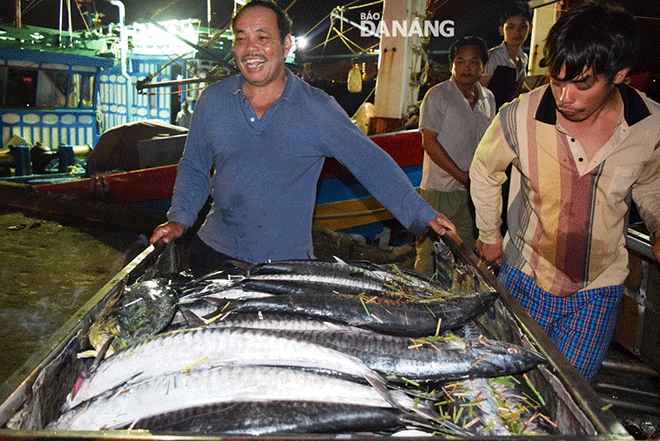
{"x":505,"y":70}
{"x":454,"y":116}
{"x":184,"y":116}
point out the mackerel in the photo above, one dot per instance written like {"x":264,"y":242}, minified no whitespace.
{"x":350,"y":273}
{"x":278,"y":322}
{"x":288,"y":284}
{"x":521,"y":406}
{"x":204,"y":347}
{"x":429,"y":359}
{"x":232,"y":292}
{"x":411,"y":319}
{"x":474,"y":408}
{"x":198,"y":387}
{"x":259,"y":418}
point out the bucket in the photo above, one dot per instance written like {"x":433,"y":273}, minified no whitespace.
{"x":22,"y":162}
{"x":65,"y":157}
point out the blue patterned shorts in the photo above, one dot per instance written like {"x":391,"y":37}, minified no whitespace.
{"x":581,"y":325}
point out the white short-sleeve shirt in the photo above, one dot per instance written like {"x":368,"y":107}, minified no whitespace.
{"x":446,"y":111}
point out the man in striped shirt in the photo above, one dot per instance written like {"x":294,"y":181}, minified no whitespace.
{"x":580,"y":147}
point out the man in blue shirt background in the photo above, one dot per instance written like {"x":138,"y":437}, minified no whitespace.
{"x":257,"y":144}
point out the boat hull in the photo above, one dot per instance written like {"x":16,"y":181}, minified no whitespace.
{"x":342,"y":203}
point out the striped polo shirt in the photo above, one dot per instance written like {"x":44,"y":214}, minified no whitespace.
{"x":567,"y":215}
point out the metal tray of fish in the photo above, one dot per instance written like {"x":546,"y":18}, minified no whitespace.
{"x":35,"y":399}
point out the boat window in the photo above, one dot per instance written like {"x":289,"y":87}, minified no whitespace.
{"x":74,"y":90}
{"x":51,"y":92}
{"x":87,"y":91}
{"x":45,"y":89}
{"x":21,"y":88}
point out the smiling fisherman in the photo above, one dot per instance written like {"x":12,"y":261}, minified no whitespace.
{"x":579,"y":148}
{"x":257,"y":143}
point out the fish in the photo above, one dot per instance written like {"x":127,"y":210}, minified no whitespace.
{"x":276,"y":322}
{"x":403,"y":277}
{"x":233,"y":292}
{"x":259,"y":418}
{"x":356,"y":274}
{"x":130,"y":402}
{"x":444,"y":264}
{"x":455,"y":277}
{"x":387,"y":316}
{"x":497,"y":405}
{"x":521,"y":407}
{"x":293,"y":284}
{"x":473,"y":407}
{"x":138,"y":311}
{"x":505,"y":405}
{"x":426,"y":360}
{"x":207,"y":347}
{"x":209,"y":284}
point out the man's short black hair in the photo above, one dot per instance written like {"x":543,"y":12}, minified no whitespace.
{"x":469,"y":41}
{"x":284,"y":23}
{"x":515,"y":9}
{"x":592,"y":36}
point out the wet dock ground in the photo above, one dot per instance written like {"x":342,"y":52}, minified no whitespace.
{"x":49,"y":270}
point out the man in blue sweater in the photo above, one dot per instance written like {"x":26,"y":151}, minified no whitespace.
{"x":257,"y":143}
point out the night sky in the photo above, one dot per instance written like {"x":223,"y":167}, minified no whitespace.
{"x":471,"y":17}
{"x":305,"y":13}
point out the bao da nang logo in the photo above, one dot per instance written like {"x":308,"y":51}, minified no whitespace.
{"x":373,"y":26}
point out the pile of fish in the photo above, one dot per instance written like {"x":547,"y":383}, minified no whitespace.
{"x":295,"y":347}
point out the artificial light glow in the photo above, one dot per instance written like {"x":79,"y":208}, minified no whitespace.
{"x":301,"y":42}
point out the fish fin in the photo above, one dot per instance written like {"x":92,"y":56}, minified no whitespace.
{"x":340,"y":261}
{"x":402,"y":401}
{"x":397,"y":399}
{"x":192,"y":318}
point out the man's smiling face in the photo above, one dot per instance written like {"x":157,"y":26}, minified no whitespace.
{"x":258,"y":48}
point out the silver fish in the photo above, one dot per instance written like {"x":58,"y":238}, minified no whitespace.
{"x":394,"y":317}
{"x":259,"y":418}
{"x":277,"y":322}
{"x":455,"y":277}
{"x":370,"y":276}
{"x":474,"y":408}
{"x":204,"y":347}
{"x":296,"y":284}
{"x":198,"y":387}
{"x":428,"y":359}
{"x":521,"y":407}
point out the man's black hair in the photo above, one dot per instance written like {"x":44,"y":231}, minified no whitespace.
{"x":515,"y":9}
{"x":284,"y":23}
{"x":469,"y":41}
{"x":591,"y":36}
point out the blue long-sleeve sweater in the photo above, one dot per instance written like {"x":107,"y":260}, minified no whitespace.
{"x":262,"y":173}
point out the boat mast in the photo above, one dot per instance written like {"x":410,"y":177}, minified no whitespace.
{"x":546,"y":14}
{"x":399,"y":62}
{"x":17,"y":6}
